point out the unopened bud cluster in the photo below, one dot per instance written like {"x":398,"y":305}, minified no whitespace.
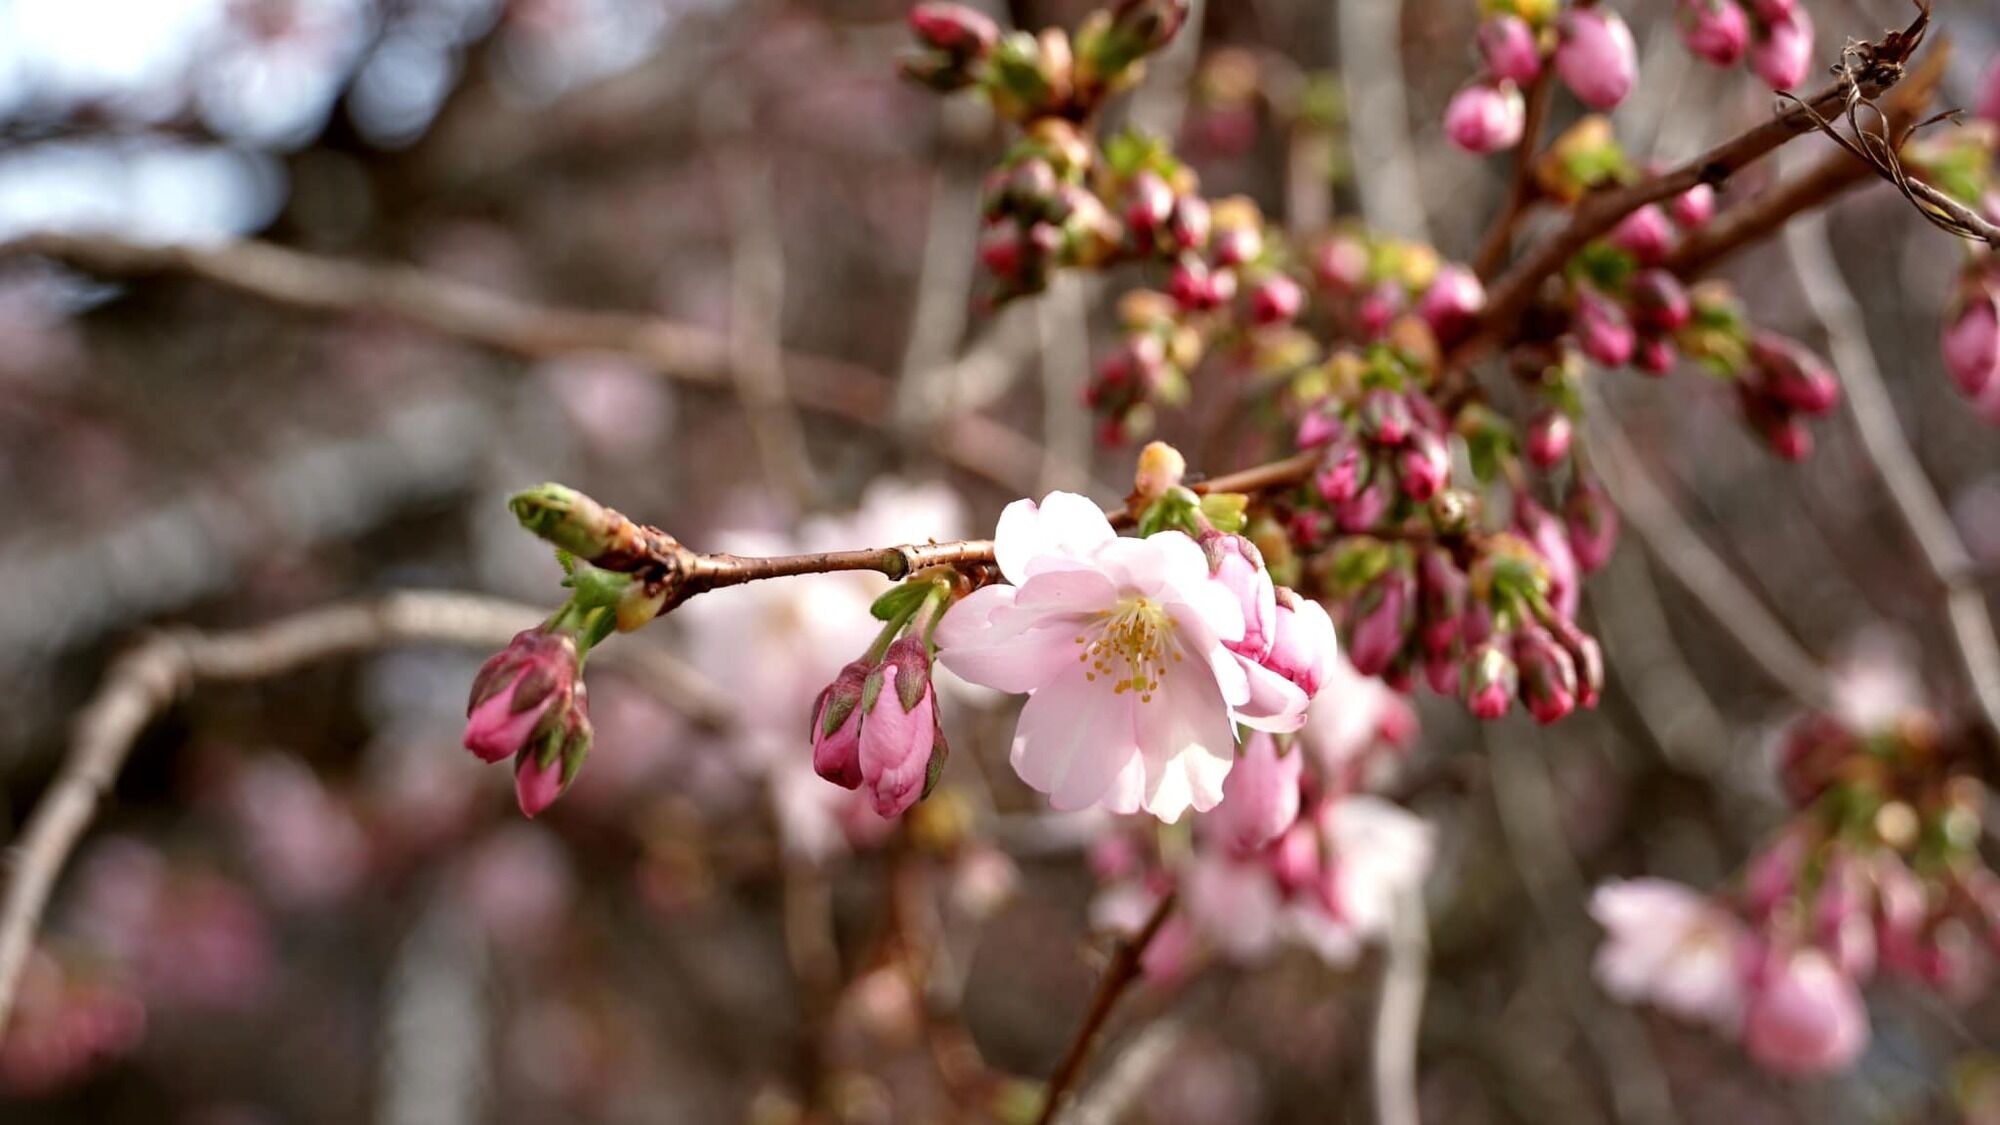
{"x":876,"y":726}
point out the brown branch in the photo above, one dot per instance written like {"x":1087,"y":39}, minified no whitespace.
{"x":1118,"y":976}
{"x":685,"y":353}
{"x":608,"y":539}
{"x":1500,"y":239}
{"x":1888,"y":451}
{"x":1598,"y":214}
{"x":145,"y":681}
{"x":1837,"y":173}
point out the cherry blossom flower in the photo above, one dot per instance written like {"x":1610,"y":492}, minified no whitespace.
{"x":1672,"y":947}
{"x":1805,"y":1016}
{"x":1120,"y":646}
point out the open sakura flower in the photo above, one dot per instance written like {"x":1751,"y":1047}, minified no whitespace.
{"x":1121,"y":646}
{"x":1673,"y":947}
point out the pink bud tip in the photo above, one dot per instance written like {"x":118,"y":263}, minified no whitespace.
{"x":1717,"y":31}
{"x":1508,"y":45}
{"x":1596,"y":57}
{"x":536,"y":786}
{"x":1484,"y":118}
{"x":1784,"y":54}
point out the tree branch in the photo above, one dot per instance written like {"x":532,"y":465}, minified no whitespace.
{"x":1520,"y":192}
{"x":1598,"y":214}
{"x":1118,"y":976}
{"x":146,"y":680}
{"x":682,"y":352}
{"x":1889,"y":453}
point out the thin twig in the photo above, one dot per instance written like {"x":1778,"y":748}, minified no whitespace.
{"x":1118,"y":976}
{"x":1697,"y":568}
{"x":1400,"y":1010}
{"x":682,"y":352}
{"x":1530,"y":822}
{"x":147,"y":679}
{"x":1838,"y":172}
{"x":1521,"y":190}
{"x":1888,"y":452}
{"x":756,"y":324}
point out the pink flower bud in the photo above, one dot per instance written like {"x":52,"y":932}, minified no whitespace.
{"x":1295,"y":860}
{"x":1152,"y":203}
{"x":1485,"y":118}
{"x":902,"y":750}
{"x":1319,"y":427}
{"x":1490,"y":681}
{"x":1367,"y":507}
{"x":1655,"y":355}
{"x":1260,"y":796}
{"x":1342,"y":263}
{"x":836,"y":727}
{"x":543,"y":769}
{"x":1235,"y":564}
{"x":1547,"y":675}
{"x":954,"y":28}
{"x":1585,"y":654}
{"x":1385,"y":417}
{"x":1379,"y":308}
{"x":1715,"y":30}
{"x":1238,"y":244}
{"x":1989,"y":92}
{"x":1442,"y":590}
{"x":1551,"y":541}
{"x":1424,"y":465}
{"x":1276,"y":300}
{"x":1191,"y":222}
{"x":1645,"y":234}
{"x":523,"y":689}
{"x":1693,"y":207}
{"x":1660,"y":302}
{"x":1783,"y":54}
{"x":1340,"y":473}
{"x":1549,"y":436}
{"x":1805,"y":1016}
{"x":1000,"y":248}
{"x":536,"y":786}
{"x":1971,"y":341}
{"x":1303,"y":643}
{"x":1384,"y":616}
{"x":1794,"y":375}
{"x":1592,"y":522}
{"x":1508,"y":45}
{"x":1596,"y":57}
{"x":1453,"y":302}
{"x":1602,"y":329}
{"x":1786,"y":435}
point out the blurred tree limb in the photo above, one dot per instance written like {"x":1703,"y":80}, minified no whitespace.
{"x":682,"y":352}
{"x":147,"y":679}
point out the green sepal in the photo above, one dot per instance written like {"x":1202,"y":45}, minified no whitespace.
{"x":1226,"y":511}
{"x":933,"y":770}
{"x":900,"y":601}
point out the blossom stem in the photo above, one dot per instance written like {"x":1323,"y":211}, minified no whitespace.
{"x":1118,"y":976}
{"x":609,"y":540}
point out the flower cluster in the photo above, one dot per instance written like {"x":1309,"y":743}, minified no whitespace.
{"x":876,"y":725}
{"x":1878,"y":871}
{"x":1293,"y":855}
{"x":528,"y":704}
{"x":1777,"y":36}
{"x":1592,"y":52}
